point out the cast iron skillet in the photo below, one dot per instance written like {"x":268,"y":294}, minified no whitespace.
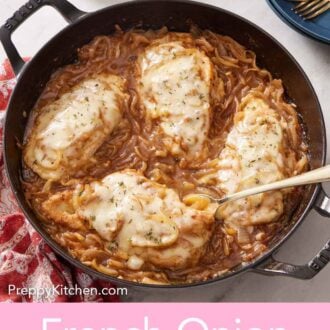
{"x":175,"y":14}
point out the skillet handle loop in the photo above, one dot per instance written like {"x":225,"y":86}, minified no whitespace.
{"x":308,"y":271}
{"x":322,"y":204}
{"x":304,"y":272}
{"x":68,"y":11}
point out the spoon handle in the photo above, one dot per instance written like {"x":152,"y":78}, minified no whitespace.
{"x":321,"y":174}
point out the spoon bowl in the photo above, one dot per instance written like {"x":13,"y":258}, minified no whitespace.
{"x":319,"y":175}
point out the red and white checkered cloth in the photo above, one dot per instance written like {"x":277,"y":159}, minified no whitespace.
{"x":26,"y":261}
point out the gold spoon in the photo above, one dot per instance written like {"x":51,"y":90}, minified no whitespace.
{"x":321,"y":174}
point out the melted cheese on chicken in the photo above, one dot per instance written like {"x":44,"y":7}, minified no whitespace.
{"x":175,"y":88}
{"x":139,"y":217}
{"x":68,"y":131}
{"x":253,"y":155}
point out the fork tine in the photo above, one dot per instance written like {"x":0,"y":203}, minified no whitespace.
{"x":302,"y":4}
{"x":306,"y":6}
{"x":319,"y":12}
{"x":312,"y":9}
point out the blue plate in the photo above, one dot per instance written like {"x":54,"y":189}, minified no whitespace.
{"x":317,"y":28}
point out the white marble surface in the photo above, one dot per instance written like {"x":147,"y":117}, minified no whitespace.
{"x":314,"y":57}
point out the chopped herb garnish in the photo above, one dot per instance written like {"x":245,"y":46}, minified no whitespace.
{"x":113,"y":246}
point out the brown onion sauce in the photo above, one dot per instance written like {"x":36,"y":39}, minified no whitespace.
{"x":134,"y":142}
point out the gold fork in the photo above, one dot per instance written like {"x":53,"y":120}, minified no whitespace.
{"x":311,"y":8}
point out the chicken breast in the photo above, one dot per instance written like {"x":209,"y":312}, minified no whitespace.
{"x":174,"y":88}
{"x":253,"y":155}
{"x":139,"y":217}
{"x":68,"y":131}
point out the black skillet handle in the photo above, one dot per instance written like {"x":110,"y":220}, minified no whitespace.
{"x":68,"y":11}
{"x":308,"y":271}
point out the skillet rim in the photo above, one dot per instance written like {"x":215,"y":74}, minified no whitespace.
{"x":63,"y":253}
